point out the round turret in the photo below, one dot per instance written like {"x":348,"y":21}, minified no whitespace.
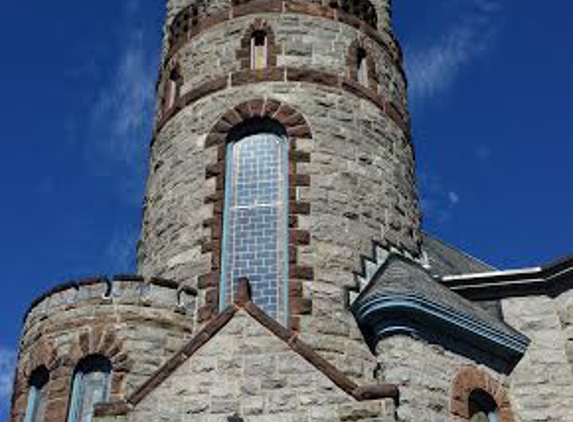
{"x":126,"y":327}
{"x":329,"y":76}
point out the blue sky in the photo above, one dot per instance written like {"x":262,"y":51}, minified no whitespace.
{"x":491,"y":86}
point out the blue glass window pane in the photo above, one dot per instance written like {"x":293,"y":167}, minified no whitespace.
{"x":91,"y":386}
{"x":37,"y":395}
{"x":255,"y":220}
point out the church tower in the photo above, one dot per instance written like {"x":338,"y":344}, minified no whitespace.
{"x":282,"y":153}
{"x":282,"y":271}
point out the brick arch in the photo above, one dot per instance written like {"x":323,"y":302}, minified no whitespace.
{"x":298,"y":130}
{"x":243,"y":54}
{"x":43,"y":353}
{"x":470,"y":379}
{"x":357,"y":45}
{"x":101,"y":340}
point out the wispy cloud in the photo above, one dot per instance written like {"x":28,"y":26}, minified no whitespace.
{"x":435,"y":62}
{"x":7,"y":365}
{"x":121,"y":115}
{"x":438,"y":201}
{"x":121,"y":121}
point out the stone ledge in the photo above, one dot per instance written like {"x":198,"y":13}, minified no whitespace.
{"x":281,"y":74}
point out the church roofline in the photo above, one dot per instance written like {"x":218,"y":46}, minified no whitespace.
{"x":550,"y":280}
{"x":290,"y":338}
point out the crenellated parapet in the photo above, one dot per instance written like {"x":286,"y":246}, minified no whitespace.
{"x":119,"y":290}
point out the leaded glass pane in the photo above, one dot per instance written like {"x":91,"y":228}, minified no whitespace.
{"x":255,"y":220}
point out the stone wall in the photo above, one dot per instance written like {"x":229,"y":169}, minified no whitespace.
{"x":426,"y":374}
{"x":246,"y":370}
{"x":542,"y":384}
{"x":136,"y":324}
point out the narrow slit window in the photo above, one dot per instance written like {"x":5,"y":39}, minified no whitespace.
{"x":171,"y":92}
{"x":255,"y":235}
{"x":259,"y":50}
{"x":362,"y":67}
{"x":91,"y":386}
{"x":37,"y":396}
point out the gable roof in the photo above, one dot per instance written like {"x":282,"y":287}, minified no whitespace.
{"x":290,"y":338}
{"x":405,"y":298}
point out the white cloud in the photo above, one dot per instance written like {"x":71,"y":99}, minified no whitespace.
{"x":434,"y":64}
{"x":438,"y":203}
{"x":121,"y":115}
{"x":7,"y":366}
{"x":123,"y":108}
{"x":454,"y":198}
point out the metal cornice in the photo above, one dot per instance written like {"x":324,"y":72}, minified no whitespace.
{"x":388,"y":314}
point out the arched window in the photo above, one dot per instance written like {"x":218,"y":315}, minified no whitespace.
{"x":37,"y":395}
{"x":482,"y":408}
{"x":255,"y":234}
{"x":259,"y":50}
{"x":90,"y":386}
{"x":362,"y":67}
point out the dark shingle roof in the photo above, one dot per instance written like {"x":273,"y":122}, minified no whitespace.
{"x":403,"y":276}
{"x":445,"y":260}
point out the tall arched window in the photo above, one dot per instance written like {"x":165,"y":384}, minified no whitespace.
{"x":91,"y":385}
{"x":37,"y":395}
{"x":255,"y":234}
{"x":482,"y":408}
{"x":259,"y":50}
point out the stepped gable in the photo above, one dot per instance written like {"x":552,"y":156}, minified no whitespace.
{"x":445,"y":260}
{"x":289,"y":337}
{"x":404,"y":297}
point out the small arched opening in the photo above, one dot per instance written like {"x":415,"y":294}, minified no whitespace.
{"x":259,"y":49}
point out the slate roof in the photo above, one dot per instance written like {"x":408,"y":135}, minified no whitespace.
{"x":404,"y":298}
{"x":401,"y":275}
{"x":446,"y":260}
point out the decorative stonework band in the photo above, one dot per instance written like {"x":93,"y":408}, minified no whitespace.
{"x":297,"y":129}
{"x":286,"y":74}
{"x":190,"y":23}
{"x":470,"y":379}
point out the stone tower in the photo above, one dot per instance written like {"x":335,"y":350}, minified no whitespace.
{"x":328,"y":75}
{"x":283,"y":274}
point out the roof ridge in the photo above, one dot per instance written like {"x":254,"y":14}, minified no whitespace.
{"x":289,"y":337}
